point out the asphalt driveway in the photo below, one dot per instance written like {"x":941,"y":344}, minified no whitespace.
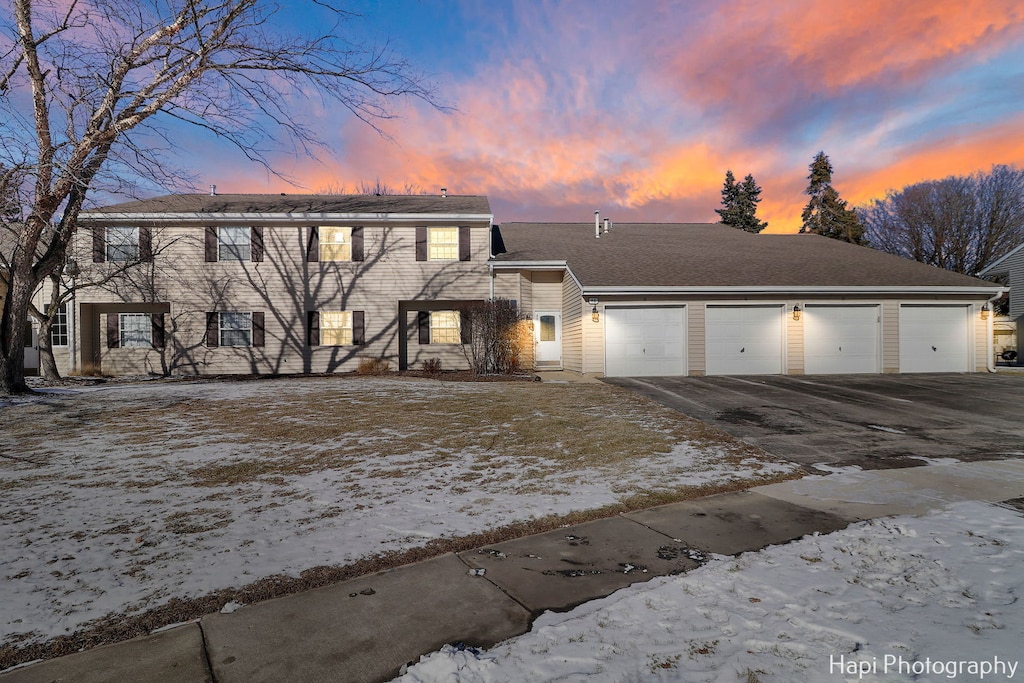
{"x":874,"y":421}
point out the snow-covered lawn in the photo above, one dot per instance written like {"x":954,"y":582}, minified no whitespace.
{"x":932,"y":598}
{"x":121,"y":498}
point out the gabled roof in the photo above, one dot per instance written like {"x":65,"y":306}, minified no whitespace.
{"x":297,"y":204}
{"x":711,"y":255}
{"x":1001,"y":265}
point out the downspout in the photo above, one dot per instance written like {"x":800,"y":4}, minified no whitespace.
{"x":490,"y":271}
{"x":989,"y":323}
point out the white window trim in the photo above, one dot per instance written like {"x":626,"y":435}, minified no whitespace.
{"x":232,"y":251}
{"x":346,"y":233}
{"x":145,"y":331}
{"x":437,"y":318}
{"x":123,"y":249}
{"x":345,"y":329}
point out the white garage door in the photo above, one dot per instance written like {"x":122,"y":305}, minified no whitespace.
{"x":744,"y":340}
{"x":644,"y":342}
{"x":935,"y":338}
{"x":841,"y":339}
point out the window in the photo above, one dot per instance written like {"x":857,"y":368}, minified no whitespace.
{"x":136,"y":330}
{"x":547,"y":328}
{"x":336,"y":328}
{"x":445,"y":327}
{"x":335,"y":244}
{"x":442,"y":244}
{"x":122,"y":244}
{"x":234,"y":244}
{"x":59,"y":327}
{"x":236,"y":329}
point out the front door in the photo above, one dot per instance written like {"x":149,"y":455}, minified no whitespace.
{"x":547,"y":336}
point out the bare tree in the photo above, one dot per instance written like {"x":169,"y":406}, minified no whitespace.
{"x":492,"y":336}
{"x":376,"y":188}
{"x":960,"y":223}
{"x":90,"y":88}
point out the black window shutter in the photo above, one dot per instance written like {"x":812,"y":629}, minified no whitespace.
{"x":259,"y":334}
{"x":210,"y":243}
{"x":113,"y":331}
{"x":357,"y":244}
{"x":256,"y":240}
{"x":421,"y":243}
{"x":213,"y":330}
{"x":146,"y":245}
{"x":313,"y":245}
{"x":465,"y":329}
{"x":313,"y":324}
{"x":423,"y":320}
{"x":464,"y":247}
{"x":159,"y":331}
{"x":99,"y":245}
{"x":358,"y":328}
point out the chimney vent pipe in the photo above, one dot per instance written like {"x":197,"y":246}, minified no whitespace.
{"x":213,"y":190}
{"x":444,"y":191}
{"x":597,"y":224}
{"x":607,"y":225}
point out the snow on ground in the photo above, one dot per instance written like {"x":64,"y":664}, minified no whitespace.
{"x":932,"y":598}
{"x":124,"y":497}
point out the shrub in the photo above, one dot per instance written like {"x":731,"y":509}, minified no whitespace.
{"x":374,"y":366}
{"x":495,"y":339}
{"x":432,"y":366}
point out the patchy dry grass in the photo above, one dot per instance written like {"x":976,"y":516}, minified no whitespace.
{"x":198,"y":470}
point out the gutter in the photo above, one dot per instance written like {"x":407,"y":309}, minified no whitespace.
{"x":798,"y":289}
{"x":205,"y":218}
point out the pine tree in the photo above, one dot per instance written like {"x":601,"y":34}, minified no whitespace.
{"x":730,"y":195}
{"x":739,"y":204}
{"x":826,"y":214}
{"x":749,"y":198}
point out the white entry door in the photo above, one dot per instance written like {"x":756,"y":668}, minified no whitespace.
{"x":744,"y":340}
{"x":935,"y":338}
{"x":841,"y":339}
{"x":645,"y":341}
{"x":547,"y":337}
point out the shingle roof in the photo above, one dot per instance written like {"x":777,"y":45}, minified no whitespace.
{"x":715,"y":255}
{"x":301,"y":203}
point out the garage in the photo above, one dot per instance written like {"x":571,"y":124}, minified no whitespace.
{"x":935,"y":338}
{"x":842,"y":339}
{"x":744,"y":340}
{"x":645,"y":341}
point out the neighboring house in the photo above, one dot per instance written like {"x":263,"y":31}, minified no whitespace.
{"x":230,"y":284}
{"x":278,"y":283}
{"x":707,"y":299}
{"x":1011,"y":268}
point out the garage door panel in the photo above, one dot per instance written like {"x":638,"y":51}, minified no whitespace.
{"x":644,"y":342}
{"x":935,"y":338}
{"x":744,"y":340}
{"x":841,"y":339}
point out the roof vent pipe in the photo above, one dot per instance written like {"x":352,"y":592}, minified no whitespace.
{"x":597,"y":224}
{"x":213,"y":190}
{"x":607,"y":225}
{"x":444,"y":191}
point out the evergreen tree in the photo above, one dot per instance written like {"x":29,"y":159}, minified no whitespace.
{"x":826,"y":214}
{"x":739,"y":204}
{"x":730,"y":195}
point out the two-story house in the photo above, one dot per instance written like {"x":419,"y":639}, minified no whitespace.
{"x":211,"y":284}
{"x":268,"y":284}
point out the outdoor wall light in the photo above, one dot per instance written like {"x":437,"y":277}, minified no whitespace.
{"x":985,"y":311}
{"x":796,"y":312}
{"x":594,"y":315}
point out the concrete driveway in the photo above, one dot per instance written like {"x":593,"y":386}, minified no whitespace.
{"x":874,"y":421}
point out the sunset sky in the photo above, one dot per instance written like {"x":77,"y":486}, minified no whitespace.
{"x":637,"y":109}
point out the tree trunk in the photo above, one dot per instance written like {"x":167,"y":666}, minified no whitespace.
{"x":12,"y":346}
{"x":47,"y":363}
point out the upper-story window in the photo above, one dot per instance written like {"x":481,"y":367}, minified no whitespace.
{"x":443,"y":243}
{"x":231,"y":243}
{"x":335,"y":244}
{"x":122,"y":244}
{"x":234,"y":244}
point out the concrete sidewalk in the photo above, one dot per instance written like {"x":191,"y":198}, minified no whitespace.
{"x":368,"y":628}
